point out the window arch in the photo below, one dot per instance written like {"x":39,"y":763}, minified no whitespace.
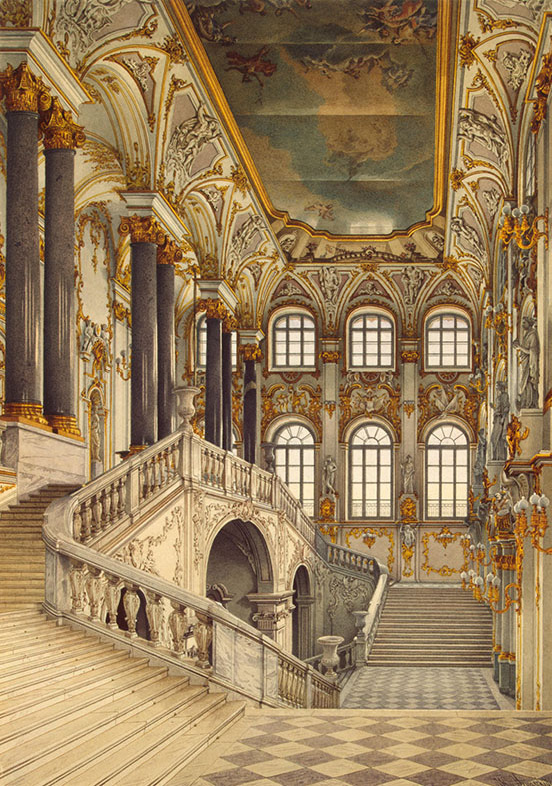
{"x":370,"y":472}
{"x":294,"y":461}
{"x":447,"y":472}
{"x":448,"y":341}
{"x":371,"y":338}
{"x":294,"y":341}
{"x":201,"y":348}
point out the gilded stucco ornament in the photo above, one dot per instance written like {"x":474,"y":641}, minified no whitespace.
{"x":142,"y":229}
{"x":169,"y":253}
{"x":543,"y":83}
{"x":23,"y":91}
{"x":214,"y":308}
{"x":251,"y":352}
{"x":330,"y":356}
{"x":514,"y":436}
{"x":16,"y":13}
{"x":59,"y":130}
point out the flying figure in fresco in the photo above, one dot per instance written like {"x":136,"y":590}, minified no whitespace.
{"x":399,"y":22}
{"x":279,"y":6}
{"x":251,"y":67}
{"x":324,"y":211}
{"x":209,"y":28}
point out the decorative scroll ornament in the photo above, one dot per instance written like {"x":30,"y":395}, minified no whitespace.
{"x":16,"y":13}
{"x":358,"y":399}
{"x":514,"y":436}
{"x":330,"y":356}
{"x":410,"y":356}
{"x":327,"y":509}
{"x":23,"y":91}
{"x":408,"y":510}
{"x":142,"y":229}
{"x":169,"y":253}
{"x":465,"y":51}
{"x":230,"y":324}
{"x":214,"y":308}
{"x":59,"y":130}
{"x":300,"y":400}
{"x":251,"y":352}
{"x":443,"y":400}
{"x":444,"y":537}
{"x":543,"y":83}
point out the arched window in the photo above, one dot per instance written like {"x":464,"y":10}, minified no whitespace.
{"x":293,"y":341}
{"x":294,"y":461}
{"x":370,"y":473}
{"x":448,"y":342}
{"x":201,"y":349}
{"x":371,"y":341}
{"x":447,"y":472}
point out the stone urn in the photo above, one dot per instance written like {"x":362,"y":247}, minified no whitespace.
{"x":360,"y":623}
{"x":269,"y":457}
{"x":330,"y":658}
{"x":185,"y":406}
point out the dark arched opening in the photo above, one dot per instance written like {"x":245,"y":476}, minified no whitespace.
{"x":301,"y":621}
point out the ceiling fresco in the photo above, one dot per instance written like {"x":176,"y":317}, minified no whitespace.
{"x":336,"y":102}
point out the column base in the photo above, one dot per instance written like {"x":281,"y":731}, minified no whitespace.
{"x":25,"y":412}
{"x":66,"y":425}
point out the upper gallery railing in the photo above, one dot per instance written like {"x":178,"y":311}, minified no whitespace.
{"x":125,"y":492}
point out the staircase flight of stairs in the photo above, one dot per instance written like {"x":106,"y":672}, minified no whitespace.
{"x":74,"y":710}
{"x":432,"y":626}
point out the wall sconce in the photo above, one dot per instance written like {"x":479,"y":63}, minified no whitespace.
{"x":539,"y":521}
{"x":122,"y":365}
{"x":515,"y":225}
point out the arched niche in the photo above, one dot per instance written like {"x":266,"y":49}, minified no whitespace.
{"x":239,"y":561}
{"x":302,"y":618}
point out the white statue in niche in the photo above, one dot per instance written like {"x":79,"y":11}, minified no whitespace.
{"x":329,"y":477}
{"x":528,"y":355}
{"x":408,"y":471}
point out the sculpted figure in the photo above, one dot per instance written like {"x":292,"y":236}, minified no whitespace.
{"x":408,"y":471}
{"x":330,"y":474}
{"x":501,"y":406}
{"x":528,"y":356}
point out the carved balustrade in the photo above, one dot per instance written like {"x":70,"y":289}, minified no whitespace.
{"x":355,"y":561}
{"x":185,"y":630}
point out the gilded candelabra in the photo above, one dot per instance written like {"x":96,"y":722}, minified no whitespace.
{"x":516,"y":225}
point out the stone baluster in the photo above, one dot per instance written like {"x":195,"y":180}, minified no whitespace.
{"x":94,"y":591}
{"x":61,"y":137}
{"x":154,"y":613}
{"x":203,"y":635}
{"x":112,"y":600}
{"x":131,"y":604}
{"x":145,"y":236}
{"x":178,"y":626}
{"x":77,"y":582}
{"x":24,"y":95}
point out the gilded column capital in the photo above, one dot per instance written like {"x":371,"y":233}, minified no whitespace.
{"x":251,"y":352}
{"x":230,"y":324}
{"x":169,"y":253}
{"x":214,"y":308}
{"x":142,"y":229}
{"x":59,"y":130}
{"x":22,"y":90}
{"x":410,"y":356}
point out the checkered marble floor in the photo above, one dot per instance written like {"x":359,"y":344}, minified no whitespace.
{"x":378,"y":748}
{"x":395,"y":688}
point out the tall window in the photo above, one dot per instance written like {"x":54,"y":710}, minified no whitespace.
{"x":370,"y":473}
{"x":294,"y":461}
{"x":448,"y":342}
{"x":293,"y":337}
{"x":447,"y":475}
{"x":202,"y":344}
{"x":371,"y":341}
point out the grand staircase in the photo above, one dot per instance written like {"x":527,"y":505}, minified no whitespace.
{"x":22,"y":549}
{"x":73,"y":710}
{"x":432,"y":626}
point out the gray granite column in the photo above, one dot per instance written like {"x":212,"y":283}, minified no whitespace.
{"x":251,"y":353}
{"x":166,"y":257}
{"x":61,"y":136}
{"x":215,"y":313}
{"x":23,"y":95}
{"x":228,"y":326}
{"x":145,"y":236}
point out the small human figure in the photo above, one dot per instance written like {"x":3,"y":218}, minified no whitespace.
{"x":408,"y":471}
{"x":528,"y":354}
{"x":501,"y":408}
{"x":408,"y":536}
{"x":330,"y":473}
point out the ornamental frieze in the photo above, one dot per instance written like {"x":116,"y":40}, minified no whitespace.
{"x":302,"y":400}
{"x":382,"y":399}
{"x":447,"y":399}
